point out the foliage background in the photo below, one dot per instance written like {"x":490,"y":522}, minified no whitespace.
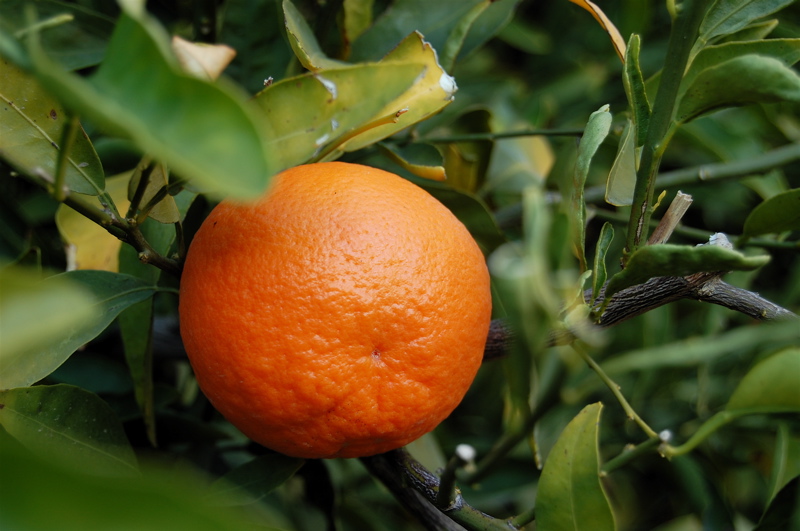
{"x":549,"y":67}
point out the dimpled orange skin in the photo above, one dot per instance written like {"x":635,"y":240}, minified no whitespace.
{"x":343,"y":314}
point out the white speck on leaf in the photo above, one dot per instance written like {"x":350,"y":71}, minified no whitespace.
{"x":329,"y":85}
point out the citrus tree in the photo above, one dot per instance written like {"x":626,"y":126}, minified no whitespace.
{"x":629,"y":171}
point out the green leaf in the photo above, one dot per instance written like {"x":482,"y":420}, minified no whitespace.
{"x":68,"y":424}
{"x":31,"y":130}
{"x":570,"y":496}
{"x":633,"y":81}
{"x":787,"y":51}
{"x":785,"y":460}
{"x":423,"y":160}
{"x":677,"y":260}
{"x":356,"y":19}
{"x":593,"y":135}
{"x":312,"y":111}
{"x":136,"y":329}
{"x":458,"y":34}
{"x":696,"y":351}
{"x":753,"y":32}
{"x":742,"y":80}
{"x":76,"y":44}
{"x":30,"y":362}
{"x":34,"y":318}
{"x":255,"y":479}
{"x":775,"y":215}
{"x":783,"y":511}
{"x":599,"y":268}
{"x":252,"y":67}
{"x":304,"y":43}
{"x":770,"y":385}
{"x":428,"y":95}
{"x":403,"y":17}
{"x":727,"y":16}
{"x":47,"y":496}
{"x":202,"y":130}
{"x":622,"y":176}
{"x":490,"y":22}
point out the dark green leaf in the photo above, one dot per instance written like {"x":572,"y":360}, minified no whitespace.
{"x":255,"y":479}
{"x":68,"y":424}
{"x":593,"y":135}
{"x":252,"y":67}
{"x":785,"y":460}
{"x":775,"y":215}
{"x":600,"y":272}
{"x":403,"y":17}
{"x":783,"y":511}
{"x":76,"y":44}
{"x":303,"y":41}
{"x":770,"y":385}
{"x":45,"y":496}
{"x":743,"y":80}
{"x":570,"y":496}
{"x":204,"y":131}
{"x":633,"y":82}
{"x":727,"y":16}
{"x":423,"y":160}
{"x":677,"y":260}
{"x":493,"y":19}
{"x":31,"y":129}
{"x":136,"y":329}
{"x":452,"y":46}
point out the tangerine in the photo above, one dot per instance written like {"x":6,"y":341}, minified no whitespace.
{"x":343,"y":314}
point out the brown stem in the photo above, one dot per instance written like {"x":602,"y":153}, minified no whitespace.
{"x":417,"y":488}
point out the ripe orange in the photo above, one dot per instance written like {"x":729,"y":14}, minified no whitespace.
{"x":343,"y":314}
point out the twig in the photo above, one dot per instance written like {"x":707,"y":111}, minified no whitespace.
{"x":617,"y":392}
{"x":472,"y":137}
{"x":680,"y":204}
{"x":417,"y":489}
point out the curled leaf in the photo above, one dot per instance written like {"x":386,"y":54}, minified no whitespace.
{"x":679,"y":260}
{"x":606,"y":24}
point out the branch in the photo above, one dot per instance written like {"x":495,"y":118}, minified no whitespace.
{"x":417,"y":489}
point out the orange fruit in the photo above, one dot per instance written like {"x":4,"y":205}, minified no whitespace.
{"x":343,"y":314}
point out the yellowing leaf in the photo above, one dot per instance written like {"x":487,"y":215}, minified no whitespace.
{"x":605,"y":22}
{"x":90,"y":246}
{"x":310,"y":112}
{"x":205,"y":61}
{"x":430,"y":93}
{"x":422,"y":160}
